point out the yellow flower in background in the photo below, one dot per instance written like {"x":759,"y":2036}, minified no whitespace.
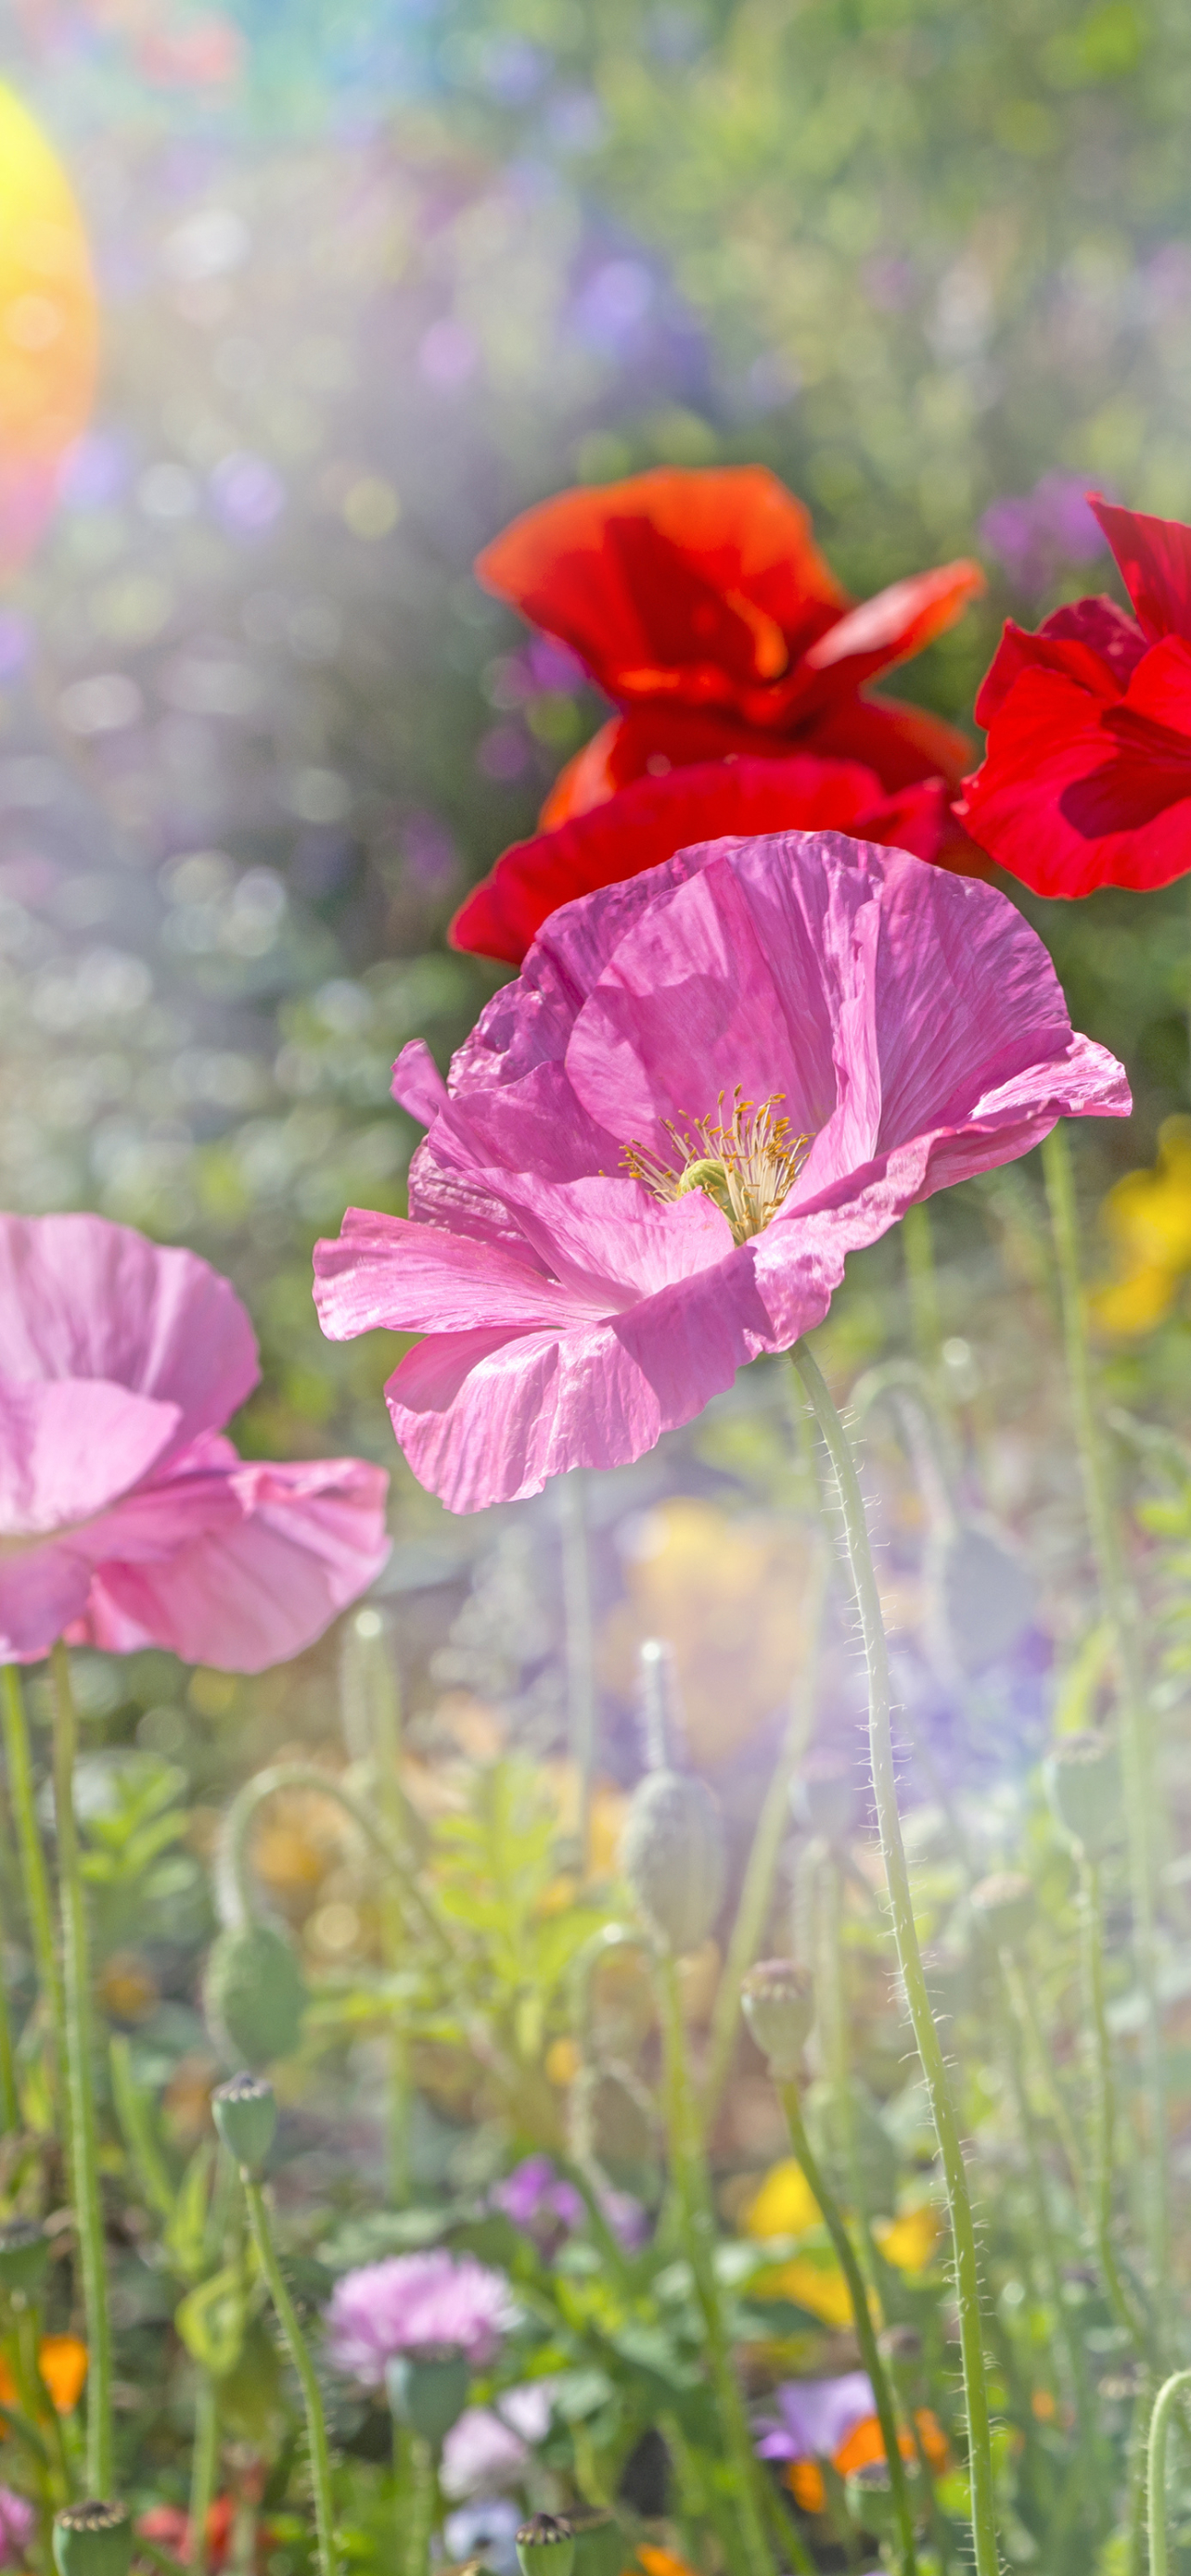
{"x":728,"y":1592}
{"x":784,"y":2205}
{"x":909,"y":2242}
{"x":1147,"y":1216}
{"x":48,"y":335}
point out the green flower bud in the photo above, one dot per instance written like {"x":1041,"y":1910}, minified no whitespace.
{"x":1003,"y":1904}
{"x":254,"y":1994}
{"x":778,"y":2003}
{"x":823,"y":1797}
{"x":93,"y":2539}
{"x":1083,"y":1784}
{"x":245,"y":2114}
{"x":545,"y":2546}
{"x":24,"y":2254}
{"x":600,"y":2548}
{"x":673,"y":1856}
{"x":868,"y":2495}
{"x":427,"y":2389}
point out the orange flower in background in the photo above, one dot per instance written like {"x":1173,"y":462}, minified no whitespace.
{"x":62,"y":2361}
{"x":660,"y":2562}
{"x":862,"y":2447}
{"x":48,"y":329}
{"x":699,"y":602}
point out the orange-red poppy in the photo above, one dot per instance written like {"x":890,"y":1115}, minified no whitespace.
{"x":861,"y":2447}
{"x":62,"y":2360}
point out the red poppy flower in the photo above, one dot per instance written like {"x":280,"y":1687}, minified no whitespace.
{"x":700,"y":603}
{"x":650,"y":820}
{"x":1086,"y":779}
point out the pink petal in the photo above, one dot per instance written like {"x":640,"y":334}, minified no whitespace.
{"x":417,"y":1083}
{"x":419,"y":1278}
{"x":42,"y":1589}
{"x":82,"y":1298}
{"x":70,"y":1446}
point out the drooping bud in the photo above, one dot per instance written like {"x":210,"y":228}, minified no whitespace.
{"x":1003,"y":1905}
{"x":1083,"y":1784}
{"x":93,"y":2539}
{"x":600,"y":2548}
{"x":673,"y":1856}
{"x":823,"y":1796}
{"x":778,"y":2002}
{"x":254,"y":1994}
{"x":245,"y":2114}
{"x":545,"y":2546}
{"x":427,"y":2389}
{"x":24,"y":2254}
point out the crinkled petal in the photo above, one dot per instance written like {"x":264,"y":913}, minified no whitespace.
{"x":69,"y":1446}
{"x":385,"y":1271}
{"x":896,"y":622}
{"x":1039,"y":804}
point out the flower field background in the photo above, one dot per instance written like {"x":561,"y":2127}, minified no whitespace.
{"x":368,"y":282}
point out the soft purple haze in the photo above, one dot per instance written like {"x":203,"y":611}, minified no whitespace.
{"x":412,"y":2300}
{"x":126,"y":1519}
{"x":907,"y":1020}
{"x":811,"y":2417}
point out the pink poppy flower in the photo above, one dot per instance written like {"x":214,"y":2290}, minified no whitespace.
{"x":708,"y":1085}
{"x":126,"y":1519}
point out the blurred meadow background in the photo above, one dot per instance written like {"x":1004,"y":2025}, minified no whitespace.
{"x":372,"y":276}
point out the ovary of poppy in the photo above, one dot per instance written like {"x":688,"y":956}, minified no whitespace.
{"x":659,"y":1144}
{"x":62,"y":2361}
{"x":48,"y":329}
{"x":1086,"y":777}
{"x":648,"y":821}
{"x":697,"y":597}
{"x":1147,"y":1216}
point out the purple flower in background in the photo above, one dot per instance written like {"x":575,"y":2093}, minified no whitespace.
{"x":539,"y":2201}
{"x":813,"y":2416}
{"x":1035,"y":533}
{"x":18,"y":2522}
{"x":412,"y":2300}
{"x":248,"y":493}
{"x":486,"y":2529}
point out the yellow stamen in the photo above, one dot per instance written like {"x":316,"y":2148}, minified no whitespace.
{"x":745,"y":1163}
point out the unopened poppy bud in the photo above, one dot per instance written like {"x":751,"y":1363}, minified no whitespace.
{"x":545,"y":2546}
{"x":778,"y":2003}
{"x":254,"y":1994}
{"x":24,"y":2253}
{"x":1003,"y":1904}
{"x":1083,"y":1784}
{"x":245,"y":2114}
{"x":599,"y":2541}
{"x":823,"y":1797}
{"x":672,"y":1854}
{"x":427,"y":2389}
{"x":93,"y":2539}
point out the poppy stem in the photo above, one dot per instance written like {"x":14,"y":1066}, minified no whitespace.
{"x":861,"y":2318}
{"x":581,"y":1701}
{"x":697,"y":2228}
{"x":287,"y":2318}
{"x":1164,"y":2405}
{"x":39,"y":1904}
{"x":84,"y":2142}
{"x":901,"y":1903}
{"x":204,"y":2468}
{"x":1136,"y":1732}
{"x":1104,"y":2109}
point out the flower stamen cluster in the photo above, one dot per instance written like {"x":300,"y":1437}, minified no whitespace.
{"x":746,"y":1163}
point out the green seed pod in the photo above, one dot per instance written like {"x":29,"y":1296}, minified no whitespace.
{"x":24,"y":2254}
{"x":1083,"y":1784}
{"x":600,"y":2548}
{"x":427,"y":2390}
{"x":778,"y":2003}
{"x":1003,"y":1905}
{"x":93,"y":2539}
{"x":823,"y":1797}
{"x":254,"y":1994}
{"x":673,"y":1856}
{"x":545,"y":2546}
{"x":245,"y":2114}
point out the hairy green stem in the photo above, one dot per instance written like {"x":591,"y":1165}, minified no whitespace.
{"x":296,"y":2345}
{"x":1103,"y":2107}
{"x":233,"y":1871}
{"x":698,"y":2235}
{"x":1164,"y":2406}
{"x":423,"y":2487}
{"x":930,"y":2050}
{"x":204,"y":2468}
{"x":39,"y":1904}
{"x":576,"y":1594}
{"x":378,"y":1688}
{"x":756,"y":1894}
{"x":76,"y":1989}
{"x":1136,"y":1733}
{"x":861,"y":2318}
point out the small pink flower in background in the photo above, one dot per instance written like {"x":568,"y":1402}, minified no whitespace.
{"x":18,"y":2523}
{"x":412,"y":2300}
{"x":707,"y":1086}
{"x":489,"y":2446}
{"x":126,"y":1518}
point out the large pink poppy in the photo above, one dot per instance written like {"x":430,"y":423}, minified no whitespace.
{"x":126,"y":1519}
{"x":709,"y":1084}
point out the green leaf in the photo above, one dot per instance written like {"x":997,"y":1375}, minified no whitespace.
{"x":211,"y":2321}
{"x":184,"y":2238}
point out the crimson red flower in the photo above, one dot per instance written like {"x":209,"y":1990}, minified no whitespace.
{"x":650,"y":820}
{"x":1086,"y":779}
{"x":700,"y":603}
